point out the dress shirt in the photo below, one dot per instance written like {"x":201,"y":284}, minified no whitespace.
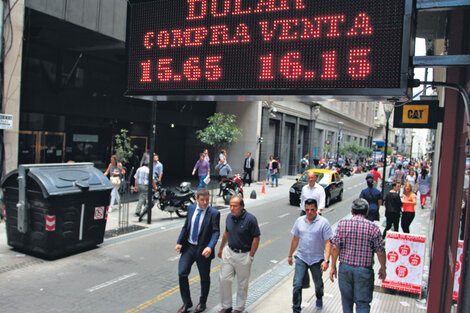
{"x":248,"y":162}
{"x":312,"y":238}
{"x":317,"y":193}
{"x":201,"y":219}
{"x":202,"y":167}
{"x":157,"y":169}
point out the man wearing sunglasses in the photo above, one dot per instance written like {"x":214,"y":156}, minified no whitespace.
{"x":311,"y":234}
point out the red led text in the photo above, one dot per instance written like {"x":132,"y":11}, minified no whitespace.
{"x":194,"y":69}
{"x":290,"y":66}
{"x":200,"y":9}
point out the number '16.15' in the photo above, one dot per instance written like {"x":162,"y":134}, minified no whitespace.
{"x":290,"y":66}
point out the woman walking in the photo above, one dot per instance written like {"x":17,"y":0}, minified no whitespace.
{"x":424,"y":186}
{"x":269,"y":167}
{"x":115,"y":171}
{"x":276,"y":165}
{"x":409,"y":201}
{"x":411,"y":178}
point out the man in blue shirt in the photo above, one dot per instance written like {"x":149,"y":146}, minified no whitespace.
{"x":157,"y":168}
{"x":311,"y":234}
{"x":242,"y":234}
{"x":373,"y":197}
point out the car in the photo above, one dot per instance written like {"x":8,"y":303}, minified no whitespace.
{"x":328,"y":179}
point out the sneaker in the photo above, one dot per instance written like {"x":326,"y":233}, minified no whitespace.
{"x":319,"y":304}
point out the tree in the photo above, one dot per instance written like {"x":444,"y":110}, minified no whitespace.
{"x":123,"y":148}
{"x":221,"y":131}
{"x":326,"y":150}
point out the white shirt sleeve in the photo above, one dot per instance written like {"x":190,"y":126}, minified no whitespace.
{"x":322,"y":196}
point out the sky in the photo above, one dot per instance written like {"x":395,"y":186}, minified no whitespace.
{"x":420,"y":134}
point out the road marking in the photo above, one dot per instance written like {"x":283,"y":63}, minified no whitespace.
{"x":284,"y":215}
{"x":111,"y":282}
{"x":349,"y":188}
{"x":262,"y":224}
{"x":173,"y":290}
{"x":174,"y":258}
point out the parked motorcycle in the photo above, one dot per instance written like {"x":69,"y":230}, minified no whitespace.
{"x":230,"y":187}
{"x":171,"y":201}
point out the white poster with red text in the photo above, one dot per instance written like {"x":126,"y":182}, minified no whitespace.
{"x":458,"y":271}
{"x":405,"y":262}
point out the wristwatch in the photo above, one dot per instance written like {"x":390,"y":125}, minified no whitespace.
{"x":327,"y":261}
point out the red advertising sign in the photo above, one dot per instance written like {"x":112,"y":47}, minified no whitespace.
{"x":405,"y":255}
{"x":458,"y":271}
{"x":261,"y":47}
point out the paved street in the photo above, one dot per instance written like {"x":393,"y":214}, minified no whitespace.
{"x":138,"y":272}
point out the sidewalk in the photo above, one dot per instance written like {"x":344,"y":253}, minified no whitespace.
{"x":384,"y":301}
{"x":12,"y":260}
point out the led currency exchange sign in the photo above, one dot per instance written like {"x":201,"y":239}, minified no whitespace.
{"x":268,"y":47}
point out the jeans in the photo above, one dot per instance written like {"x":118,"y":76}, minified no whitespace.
{"x":301,"y":269}
{"x":201,"y":182}
{"x":275,"y":176}
{"x":356,"y":285}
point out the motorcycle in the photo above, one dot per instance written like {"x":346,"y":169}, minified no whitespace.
{"x":171,"y":201}
{"x":345,"y":170}
{"x":230,"y":187}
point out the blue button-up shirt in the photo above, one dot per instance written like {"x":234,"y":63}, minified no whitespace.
{"x":312,"y":238}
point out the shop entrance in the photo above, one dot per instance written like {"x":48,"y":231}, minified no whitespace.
{"x":41,"y":147}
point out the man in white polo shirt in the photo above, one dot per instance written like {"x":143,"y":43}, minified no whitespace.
{"x":312,"y":191}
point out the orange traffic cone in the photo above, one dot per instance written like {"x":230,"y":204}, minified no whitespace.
{"x":263,"y":189}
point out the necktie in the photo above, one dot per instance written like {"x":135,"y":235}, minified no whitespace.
{"x":195,"y":233}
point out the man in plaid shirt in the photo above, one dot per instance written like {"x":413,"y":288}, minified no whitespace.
{"x":355,"y":242}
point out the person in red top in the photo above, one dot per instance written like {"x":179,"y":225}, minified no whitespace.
{"x":377,"y":175}
{"x":408,"y":198}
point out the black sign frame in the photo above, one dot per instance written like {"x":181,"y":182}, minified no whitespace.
{"x":400,"y":93}
{"x":435,"y":115}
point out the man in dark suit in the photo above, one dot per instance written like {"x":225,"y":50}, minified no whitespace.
{"x":196,"y":243}
{"x":248,"y":166}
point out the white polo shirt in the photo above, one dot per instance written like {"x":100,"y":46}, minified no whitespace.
{"x":317,"y":193}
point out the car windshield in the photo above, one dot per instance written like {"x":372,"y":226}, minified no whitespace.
{"x":322,"y":178}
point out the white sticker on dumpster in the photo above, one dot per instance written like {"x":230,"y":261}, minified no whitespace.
{"x":50,"y":222}
{"x":99,"y":213}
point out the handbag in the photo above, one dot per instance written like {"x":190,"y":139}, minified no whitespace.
{"x":115,"y":180}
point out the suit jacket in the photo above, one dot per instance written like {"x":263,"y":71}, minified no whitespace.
{"x":252,"y":164}
{"x":208,"y":233}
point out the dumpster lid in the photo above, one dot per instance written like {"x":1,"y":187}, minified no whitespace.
{"x":65,"y":178}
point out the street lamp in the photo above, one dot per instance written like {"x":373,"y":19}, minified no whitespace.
{"x":388,"y":108}
{"x":340,"y":135}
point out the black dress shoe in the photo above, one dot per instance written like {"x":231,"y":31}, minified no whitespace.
{"x":200,"y":307}
{"x":184,"y":308}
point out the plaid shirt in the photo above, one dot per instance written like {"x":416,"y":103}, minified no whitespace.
{"x":358,"y":239}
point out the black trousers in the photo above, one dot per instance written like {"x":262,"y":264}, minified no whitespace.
{"x":187,"y":259}
{"x":248,"y":175}
{"x":393,"y":219}
{"x":406,"y":219}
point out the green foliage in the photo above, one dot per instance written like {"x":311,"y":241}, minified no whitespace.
{"x":221,"y":131}
{"x":123,"y":148}
{"x":326,"y":150}
{"x":351,"y":147}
